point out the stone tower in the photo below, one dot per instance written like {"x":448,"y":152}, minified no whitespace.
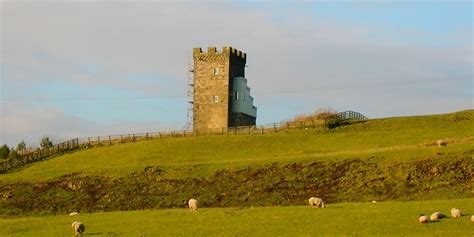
{"x":221,"y":95}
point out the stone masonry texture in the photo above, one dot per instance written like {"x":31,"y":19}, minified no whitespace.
{"x":213,"y":73}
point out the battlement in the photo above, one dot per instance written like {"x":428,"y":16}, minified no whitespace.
{"x":216,"y":71}
{"x":213,"y":51}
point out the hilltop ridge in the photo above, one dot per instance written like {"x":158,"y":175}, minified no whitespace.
{"x":383,"y":159}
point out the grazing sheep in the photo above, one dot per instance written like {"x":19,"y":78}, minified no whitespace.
{"x":456,"y":212}
{"x":316,"y":202}
{"x":472,"y":218}
{"x":437,"y":216}
{"x":442,"y":142}
{"x":193,"y":204}
{"x":74,"y":213}
{"x":373,"y":201}
{"x":78,"y":228}
{"x":423,"y":219}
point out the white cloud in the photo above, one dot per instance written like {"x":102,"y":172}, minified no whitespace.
{"x":305,"y":61}
{"x":20,"y":121}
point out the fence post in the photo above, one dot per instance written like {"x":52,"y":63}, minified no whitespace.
{"x":133,"y":137}
{"x":110,"y":141}
{"x":262,"y":129}
{"x":312,"y":122}
{"x":235,"y":130}
{"x":249,"y":129}
{"x":287,"y":126}
{"x":274,"y":127}
{"x":159,"y":134}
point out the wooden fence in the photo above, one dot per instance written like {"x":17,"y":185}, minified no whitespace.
{"x":86,"y":142}
{"x":38,"y":154}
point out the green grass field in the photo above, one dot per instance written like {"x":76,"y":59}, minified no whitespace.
{"x":402,"y":138}
{"x":343,"y":219}
{"x":261,"y":180}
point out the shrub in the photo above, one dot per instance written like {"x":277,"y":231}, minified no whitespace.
{"x":46,"y":142}
{"x":4,"y":151}
{"x":319,"y":114}
{"x":21,"y":146}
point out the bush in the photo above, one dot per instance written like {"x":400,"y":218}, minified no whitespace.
{"x":13,"y":155}
{"x":319,"y":114}
{"x":4,"y":151}
{"x":21,"y":146}
{"x":46,"y":142}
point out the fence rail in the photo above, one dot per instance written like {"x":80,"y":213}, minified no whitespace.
{"x":38,"y":154}
{"x":86,"y":142}
{"x":343,"y":118}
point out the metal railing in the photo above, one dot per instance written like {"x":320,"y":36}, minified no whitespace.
{"x":343,"y":118}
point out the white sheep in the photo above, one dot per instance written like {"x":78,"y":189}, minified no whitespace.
{"x":78,"y":228}
{"x":437,"y":216}
{"x":316,"y":202}
{"x":193,"y":204}
{"x":472,"y":218}
{"x":456,"y":212}
{"x":423,"y":219}
{"x":74,"y":213}
{"x":442,"y":142}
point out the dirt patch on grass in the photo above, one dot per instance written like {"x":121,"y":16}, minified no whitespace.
{"x":275,"y":184}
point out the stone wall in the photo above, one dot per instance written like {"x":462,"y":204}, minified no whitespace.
{"x":213,"y":72}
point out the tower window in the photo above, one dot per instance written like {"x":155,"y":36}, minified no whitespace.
{"x":236,"y":95}
{"x":215,"y":99}
{"x":216,"y":71}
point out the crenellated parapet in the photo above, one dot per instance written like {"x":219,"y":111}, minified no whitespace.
{"x":215,"y":86}
{"x":226,"y":53}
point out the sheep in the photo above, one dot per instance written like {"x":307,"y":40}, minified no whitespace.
{"x":456,"y":212}
{"x":316,"y":202}
{"x":442,"y":143}
{"x":74,"y":213}
{"x":193,"y":204}
{"x":437,"y":216}
{"x":373,"y":201}
{"x":423,"y":219}
{"x":78,"y":228}
{"x":472,"y":218}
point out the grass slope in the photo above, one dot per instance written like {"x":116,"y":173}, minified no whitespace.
{"x":344,"y":219}
{"x":403,"y":138}
{"x":384,"y":159}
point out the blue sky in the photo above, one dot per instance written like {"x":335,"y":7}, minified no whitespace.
{"x":79,"y":69}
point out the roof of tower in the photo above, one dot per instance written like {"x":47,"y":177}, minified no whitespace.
{"x":225,"y":49}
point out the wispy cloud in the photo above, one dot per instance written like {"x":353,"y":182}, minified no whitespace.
{"x":139,"y":51}
{"x":22,"y":122}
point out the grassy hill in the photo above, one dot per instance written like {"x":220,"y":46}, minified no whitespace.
{"x":343,"y":219}
{"x":383,"y":159}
